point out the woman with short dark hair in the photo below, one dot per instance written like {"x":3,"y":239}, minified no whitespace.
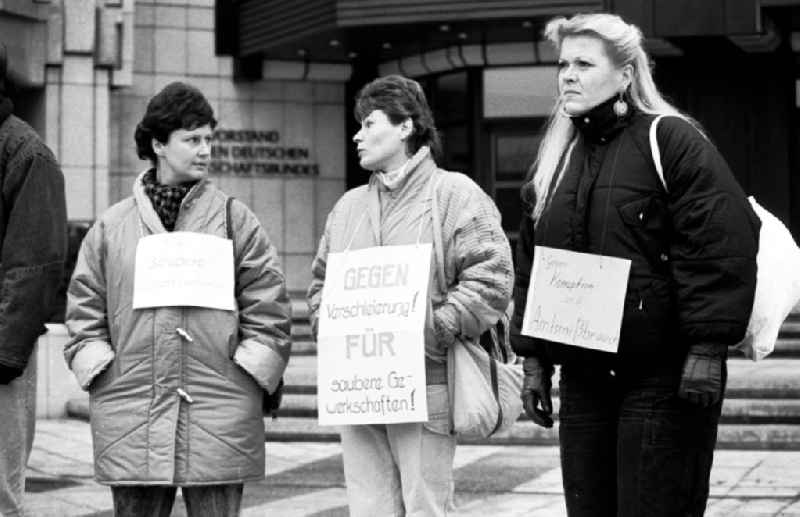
{"x":176,"y":387}
{"x":406,"y":468}
{"x":177,"y":106}
{"x":401,"y":98}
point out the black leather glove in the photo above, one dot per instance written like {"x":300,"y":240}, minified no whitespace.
{"x":9,"y":373}
{"x":701,"y":381}
{"x":536,"y":386}
{"x":272,"y":401}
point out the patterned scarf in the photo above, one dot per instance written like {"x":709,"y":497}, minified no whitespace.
{"x":166,"y":199}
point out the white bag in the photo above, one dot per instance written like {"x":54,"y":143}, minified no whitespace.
{"x":485,"y":392}
{"x":777,"y":285}
{"x":777,"y":279}
{"x":484,"y":380}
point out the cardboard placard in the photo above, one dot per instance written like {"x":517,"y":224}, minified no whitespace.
{"x":184,"y":269}
{"x":370,"y":344}
{"x":576,"y":298}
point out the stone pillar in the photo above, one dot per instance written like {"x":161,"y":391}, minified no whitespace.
{"x":88,"y":58}
{"x":77,"y":120}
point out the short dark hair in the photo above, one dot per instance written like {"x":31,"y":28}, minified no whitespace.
{"x":177,"y":106}
{"x":401,"y":98}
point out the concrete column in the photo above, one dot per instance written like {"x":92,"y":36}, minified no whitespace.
{"x":77,"y":111}
{"x":77,"y":130}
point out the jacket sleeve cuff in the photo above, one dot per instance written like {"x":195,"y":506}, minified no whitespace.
{"x":89,"y":361}
{"x":262,"y":363}
{"x":444,"y":327}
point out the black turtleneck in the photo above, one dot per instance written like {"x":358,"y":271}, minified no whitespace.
{"x":597,"y":128}
{"x":600,"y":124}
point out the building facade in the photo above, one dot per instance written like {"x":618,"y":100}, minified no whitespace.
{"x":82,"y":72}
{"x":281,"y":76}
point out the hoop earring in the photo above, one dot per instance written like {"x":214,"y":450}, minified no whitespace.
{"x":620,"y":106}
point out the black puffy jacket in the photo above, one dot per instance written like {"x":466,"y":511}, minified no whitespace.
{"x":692,"y":250}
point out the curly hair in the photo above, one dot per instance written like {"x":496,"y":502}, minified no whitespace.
{"x":401,"y":98}
{"x":177,"y":106}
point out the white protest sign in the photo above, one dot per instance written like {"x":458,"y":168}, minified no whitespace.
{"x":371,"y":339}
{"x":184,"y":269}
{"x":576,"y":298}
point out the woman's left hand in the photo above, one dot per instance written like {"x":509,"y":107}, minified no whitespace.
{"x":701,"y":381}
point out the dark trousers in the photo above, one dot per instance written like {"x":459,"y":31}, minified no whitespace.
{"x":157,"y":501}
{"x":632,"y":447}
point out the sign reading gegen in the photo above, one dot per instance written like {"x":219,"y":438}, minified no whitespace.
{"x":370,"y":344}
{"x":576,"y":298}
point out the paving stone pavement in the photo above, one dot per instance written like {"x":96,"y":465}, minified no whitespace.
{"x":305,"y":479}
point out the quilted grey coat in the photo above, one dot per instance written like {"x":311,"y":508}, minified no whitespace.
{"x":176,"y":391}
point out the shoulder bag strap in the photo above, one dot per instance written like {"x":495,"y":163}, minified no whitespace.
{"x":230,"y":233}
{"x":438,"y":249}
{"x":656,"y":152}
{"x":228,"y":218}
{"x":438,"y":259}
{"x":436,"y":230}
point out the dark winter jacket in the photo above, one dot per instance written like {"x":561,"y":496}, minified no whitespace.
{"x":692,"y":250}
{"x":33,"y":237}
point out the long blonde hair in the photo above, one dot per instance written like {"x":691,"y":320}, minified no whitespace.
{"x":623,"y":42}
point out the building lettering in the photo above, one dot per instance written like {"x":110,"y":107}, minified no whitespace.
{"x":255,"y":152}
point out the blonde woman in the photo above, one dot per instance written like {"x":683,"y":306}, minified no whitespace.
{"x":637,"y":427}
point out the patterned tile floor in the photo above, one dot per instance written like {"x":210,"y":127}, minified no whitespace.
{"x":305,"y":479}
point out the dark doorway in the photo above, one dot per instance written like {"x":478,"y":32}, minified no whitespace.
{"x":510,"y":148}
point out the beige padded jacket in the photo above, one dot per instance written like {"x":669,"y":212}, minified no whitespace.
{"x":477,"y":255}
{"x":176,"y":391}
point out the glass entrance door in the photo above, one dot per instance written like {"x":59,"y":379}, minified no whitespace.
{"x":512,"y":150}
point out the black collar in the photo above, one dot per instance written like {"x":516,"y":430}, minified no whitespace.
{"x":600,"y":123}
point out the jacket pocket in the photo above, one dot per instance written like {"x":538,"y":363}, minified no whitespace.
{"x":649,"y":319}
{"x":645,"y":212}
{"x":438,"y":409}
{"x":130,"y":337}
{"x":647,"y":228}
{"x":215,"y":337}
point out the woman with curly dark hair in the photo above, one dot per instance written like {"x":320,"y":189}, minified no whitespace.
{"x":407,"y":468}
{"x":176,"y":386}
